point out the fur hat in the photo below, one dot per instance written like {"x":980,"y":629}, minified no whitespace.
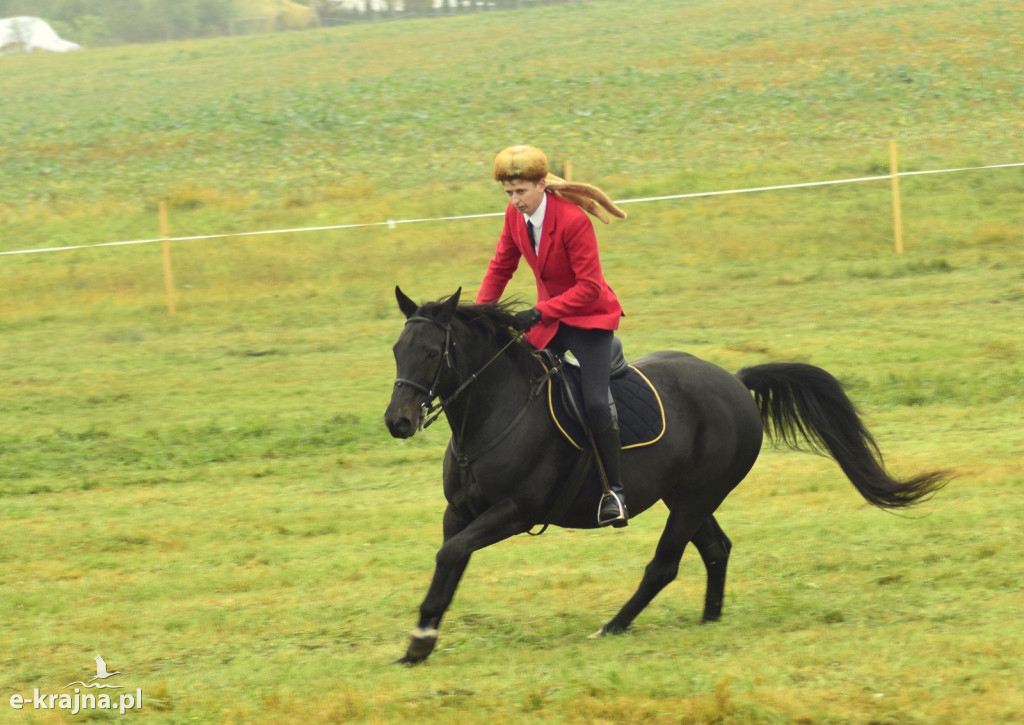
{"x":530,"y":163}
{"x":520,"y":162}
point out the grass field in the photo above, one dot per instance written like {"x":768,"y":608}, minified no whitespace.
{"x":211,"y":502}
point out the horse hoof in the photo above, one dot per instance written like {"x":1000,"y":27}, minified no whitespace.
{"x":421,"y":644}
{"x":598,"y":634}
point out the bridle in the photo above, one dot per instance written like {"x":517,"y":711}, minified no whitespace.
{"x":431,"y":409}
{"x":433,"y":404}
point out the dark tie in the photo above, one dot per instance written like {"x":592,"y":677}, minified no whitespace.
{"x":533,"y":240}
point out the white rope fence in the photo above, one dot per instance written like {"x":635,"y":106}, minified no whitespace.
{"x":391,"y":223}
{"x":886,"y":177}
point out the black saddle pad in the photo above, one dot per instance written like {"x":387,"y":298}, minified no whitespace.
{"x":641,"y":414}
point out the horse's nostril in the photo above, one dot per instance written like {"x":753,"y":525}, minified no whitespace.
{"x":400,"y":427}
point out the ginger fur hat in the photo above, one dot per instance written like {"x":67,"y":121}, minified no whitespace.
{"x":520,"y":162}
{"x":530,"y":163}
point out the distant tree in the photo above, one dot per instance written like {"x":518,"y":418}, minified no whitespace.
{"x":140,"y":21}
{"x":33,"y":8}
{"x":101,"y":22}
{"x":419,"y":7}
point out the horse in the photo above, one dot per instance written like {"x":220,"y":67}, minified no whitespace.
{"x":505,"y":465}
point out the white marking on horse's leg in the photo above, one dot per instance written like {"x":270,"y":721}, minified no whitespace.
{"x":424,"y":633}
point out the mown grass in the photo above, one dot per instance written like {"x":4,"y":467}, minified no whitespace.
{"x":211,"y":502}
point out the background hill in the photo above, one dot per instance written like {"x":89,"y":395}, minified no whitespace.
{"x":655,"y":97}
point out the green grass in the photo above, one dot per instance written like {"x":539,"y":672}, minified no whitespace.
{"x":210,"y":500}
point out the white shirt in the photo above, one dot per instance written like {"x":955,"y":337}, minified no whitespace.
{"x":537,"y":219}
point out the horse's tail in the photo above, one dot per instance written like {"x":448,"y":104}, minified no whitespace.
{"x":800,"y":402}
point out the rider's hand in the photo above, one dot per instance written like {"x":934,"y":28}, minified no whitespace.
{"x":526,"y":319}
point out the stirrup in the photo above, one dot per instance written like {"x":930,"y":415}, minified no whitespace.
{"x":616,"y":515}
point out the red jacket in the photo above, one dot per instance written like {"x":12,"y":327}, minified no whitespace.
{"x":570,"y":285}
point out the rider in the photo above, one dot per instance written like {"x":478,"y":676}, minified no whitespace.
{"x":576,"y":310}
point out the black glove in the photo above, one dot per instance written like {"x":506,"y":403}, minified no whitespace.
{"x":526,"y":319}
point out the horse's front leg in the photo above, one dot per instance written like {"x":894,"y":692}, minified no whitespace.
{"x":497,"y":523}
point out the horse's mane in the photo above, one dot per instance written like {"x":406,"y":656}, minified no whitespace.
{"x":495,"y":321}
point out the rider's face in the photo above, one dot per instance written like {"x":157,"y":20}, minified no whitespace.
{"x":525,"y":195}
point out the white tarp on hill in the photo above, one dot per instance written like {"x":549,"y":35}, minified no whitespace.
{"x":21,"y":35}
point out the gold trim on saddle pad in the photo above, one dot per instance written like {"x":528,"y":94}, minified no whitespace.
{"x":568,"y":437}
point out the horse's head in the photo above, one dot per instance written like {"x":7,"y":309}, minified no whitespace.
{"x":424,"y":361}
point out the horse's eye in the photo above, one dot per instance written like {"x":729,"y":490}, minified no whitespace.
{"x":432,"y":354}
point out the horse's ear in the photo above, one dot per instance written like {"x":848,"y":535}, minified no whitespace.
{"x":406,"y":305}
{"x":448,"y":308}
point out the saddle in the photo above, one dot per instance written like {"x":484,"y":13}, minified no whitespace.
{"x":640,"y":411}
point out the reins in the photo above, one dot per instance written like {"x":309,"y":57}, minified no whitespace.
{"x":434,"y":404}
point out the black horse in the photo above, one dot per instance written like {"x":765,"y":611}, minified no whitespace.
{"x":506,"y":466}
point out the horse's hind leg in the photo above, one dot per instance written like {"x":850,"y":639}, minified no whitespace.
{"x":714,"y":547}
{"x":662,"y":570}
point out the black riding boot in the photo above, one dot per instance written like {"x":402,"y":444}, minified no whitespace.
{"x":612,"y":509}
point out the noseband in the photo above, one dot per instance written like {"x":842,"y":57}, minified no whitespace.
{"x":433,"y":404}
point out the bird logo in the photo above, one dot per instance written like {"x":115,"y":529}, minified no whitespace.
{"x":101,"y":674}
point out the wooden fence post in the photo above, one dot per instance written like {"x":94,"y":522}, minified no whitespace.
{"x":168,"y":273}
{"x":897,"y":212}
